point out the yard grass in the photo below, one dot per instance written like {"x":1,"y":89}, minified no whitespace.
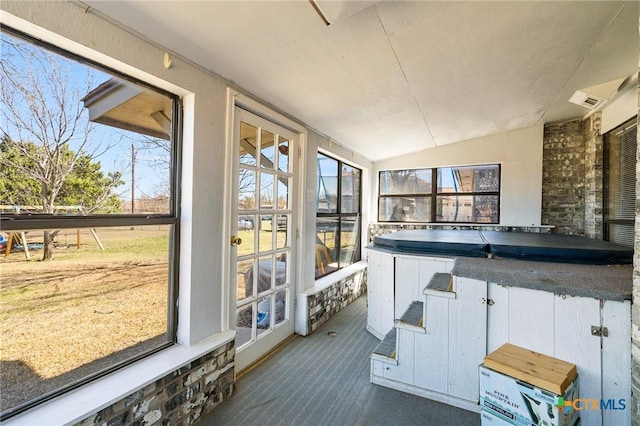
{"x":63,"y":319}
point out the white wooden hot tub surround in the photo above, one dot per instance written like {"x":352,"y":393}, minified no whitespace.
{"x":460,"y":327}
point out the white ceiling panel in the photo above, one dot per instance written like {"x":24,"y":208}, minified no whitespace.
{"x":388,"y":78}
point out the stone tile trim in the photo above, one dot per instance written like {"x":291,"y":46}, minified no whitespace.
{"x":180,"y":398}
{"x":331,"y":300}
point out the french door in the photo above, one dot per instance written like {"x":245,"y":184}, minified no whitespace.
{"x":262,"y":235}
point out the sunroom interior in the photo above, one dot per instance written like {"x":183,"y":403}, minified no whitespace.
{"x":286,"y":121}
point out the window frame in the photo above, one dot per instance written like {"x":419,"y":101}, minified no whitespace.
{"x":339,"y":215}
{"x":435,"y":194}
{"x":11,"y":222}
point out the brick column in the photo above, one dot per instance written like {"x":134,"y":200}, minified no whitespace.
{"x":594,"y":159}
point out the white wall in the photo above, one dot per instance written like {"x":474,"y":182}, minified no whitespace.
{"x":520,"y":154}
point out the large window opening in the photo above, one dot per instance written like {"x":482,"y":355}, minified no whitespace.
{"x":88,"y":243}
{"x":465,"y":194}
{"x":620,"y":183}
{"x":338,"y":212}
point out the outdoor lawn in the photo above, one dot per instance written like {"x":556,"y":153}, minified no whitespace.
{"x":72,"y":316}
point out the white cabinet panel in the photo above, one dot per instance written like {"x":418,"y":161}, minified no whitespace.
{"x":574,"y":343}
{"x":616,"y":361}
{"x":432,"y":362}
{"x":530,"y":312}
{"x":380,"y":297}
{"x":467,"y":337}
{"x":497,"y":316}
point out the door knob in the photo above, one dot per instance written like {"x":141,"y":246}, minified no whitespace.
{"x":235,"y":241}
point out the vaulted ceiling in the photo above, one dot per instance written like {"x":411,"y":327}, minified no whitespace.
{"x":392,"y":77}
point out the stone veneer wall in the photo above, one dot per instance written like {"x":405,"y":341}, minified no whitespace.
{"x":328,"y":302}
{"x":594,"y":177}
{"x":180,"y":398}
{"x":563,"y":177}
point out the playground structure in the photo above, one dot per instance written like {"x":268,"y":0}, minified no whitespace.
{"x":20,"y":237}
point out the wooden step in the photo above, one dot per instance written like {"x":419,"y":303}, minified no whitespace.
{"x":413,"y":318}
{"x":441,"y":285}
{"x":386,"y":349}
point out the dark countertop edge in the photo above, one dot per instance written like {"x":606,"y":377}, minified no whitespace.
{"x":503,"y":273}
{"x":514,"y":273}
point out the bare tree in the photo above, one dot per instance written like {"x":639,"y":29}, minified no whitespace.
{"x":41,"y":106}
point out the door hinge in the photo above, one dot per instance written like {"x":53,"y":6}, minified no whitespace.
{"x":299,"y":152}
{"x":297,"y":233}
{"x":599,"y":331}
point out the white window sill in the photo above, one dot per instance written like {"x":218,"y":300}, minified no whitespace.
{"x":328,"y":280}
{"x":80,"y":403}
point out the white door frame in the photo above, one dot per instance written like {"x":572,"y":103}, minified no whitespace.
{"x":237,"y":99}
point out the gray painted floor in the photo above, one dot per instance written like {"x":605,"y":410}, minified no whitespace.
{"x":323,"y":379}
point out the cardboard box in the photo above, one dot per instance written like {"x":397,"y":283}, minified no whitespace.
{"x":488,"y":419}
{"x":528,"y":388}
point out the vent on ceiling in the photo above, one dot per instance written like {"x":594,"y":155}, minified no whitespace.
{"x":586,"y":100}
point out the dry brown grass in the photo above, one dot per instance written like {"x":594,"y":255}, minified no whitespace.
{"x":73,"y":316}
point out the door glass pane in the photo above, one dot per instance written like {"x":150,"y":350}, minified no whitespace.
{"x":350,"y":195}
{"x":246,"y":189}
{"x":265,"y":267}
{"x":246,"y":232}
{"x":281,"y":270}
{"x":267,"y":150}
{"x":248,"y":143}
{"x":244,"y":323}
{"x":266,"y":191}
{"x":266,"y":233}
{"x":244,"y":287}
{"x":327,"y":186}
{"x":264,"y":314}
{"x":413,"y":181}
{"x":283,"y":154}
{"x":281,"y":306}
{"x":283,"y":231}
{"x":283,"y":193}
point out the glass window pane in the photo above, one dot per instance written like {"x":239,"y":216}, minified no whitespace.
{"x":267,"y":150}
{"x":244,"y":324}
{"x":266,"y":233}
{"x":469,"y":179}
{"x":467,"y":208}
{"x":282,"y":271}
{"x":248,"y":143}
{"x":246,"y":189}
{"x":350,"y":196}
{"x":246,"y":232}
{"x":84,"y":311}
{"x":283,"y":192}
{"x":349,"y":240}
{"x":282,"y":236}
{"x":327,"y":248}
{"x":281,"y":306}
{"x":265,"y":268}
{"x":103,"y":143}
{"x":404,"y":209}
{"x":283,"y":154}
{"x":266,"y":191}
{"x":327,"y":196}
{"x":416,"y":181}
{"x":244,"y":281}
{"x":265,"y":311}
